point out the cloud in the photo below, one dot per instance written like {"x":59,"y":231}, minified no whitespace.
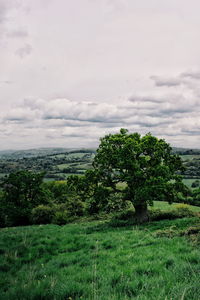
{"x":6,"y":82}
{"x":169,"y":82}
{"x":2,"y":11}
{"x":20,"y":114}
{"x":191,"y":75}
{"x":19,"y":33}
{"x":171,"y":115}
{"x":24,"y":51}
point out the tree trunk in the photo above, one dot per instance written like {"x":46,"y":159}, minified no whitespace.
{"x":141,"y":213}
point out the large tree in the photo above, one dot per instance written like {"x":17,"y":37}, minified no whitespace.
{"x":146,"y":166}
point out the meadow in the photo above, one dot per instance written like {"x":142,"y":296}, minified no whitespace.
{"x":94,"y":260}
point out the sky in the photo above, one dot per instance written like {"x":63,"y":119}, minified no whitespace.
{"x":72,"y":71}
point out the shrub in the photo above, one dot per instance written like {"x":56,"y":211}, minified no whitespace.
{"x":57,"y":213}
{"x":195,"y":199}
{"x":128,"y":217}
{"x":62,"y":217}
{"x":181,"y":211}
{"x":74,"y":206}
{"x":42,"y":214}
{"x":195,"y":184}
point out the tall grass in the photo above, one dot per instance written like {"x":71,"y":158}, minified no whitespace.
{"x":95,"y":261}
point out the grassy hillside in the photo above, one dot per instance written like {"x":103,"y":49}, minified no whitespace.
{"x":163,"y":205}
{"x":93,"y":260}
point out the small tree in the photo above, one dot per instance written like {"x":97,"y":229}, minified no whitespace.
{"x":145,"y":165}
{"x":21,"y":191}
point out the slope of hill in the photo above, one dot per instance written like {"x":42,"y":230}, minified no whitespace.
{"x":92,"y":260}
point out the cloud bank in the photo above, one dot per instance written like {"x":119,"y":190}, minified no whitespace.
{"x":172,"y":114}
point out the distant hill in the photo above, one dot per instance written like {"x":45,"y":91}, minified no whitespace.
{"x":17,"y":154}
{"x":186,"y":151}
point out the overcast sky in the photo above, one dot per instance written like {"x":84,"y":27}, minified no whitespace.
{"x":73,"y":70}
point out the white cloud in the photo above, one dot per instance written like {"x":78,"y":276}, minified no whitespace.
{"x":81,"y":123}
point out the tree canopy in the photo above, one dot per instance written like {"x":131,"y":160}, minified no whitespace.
{"x":22,"y":191}
{"x":146,"y":166}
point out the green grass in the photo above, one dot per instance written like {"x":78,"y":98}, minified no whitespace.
{"x":94,"y":261}
{"x":162,"y":205}
{"x":3,"y":175}
{"x":189,"y":181}
{"x":76,"y":155}
{"x":190,"y":156}
{"x":82,"y":166}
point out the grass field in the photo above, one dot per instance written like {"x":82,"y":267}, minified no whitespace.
{"x":163,"y":205}
{"x":93,"y":260}
{"x":189,"y":157}
{"x":189,"y":181}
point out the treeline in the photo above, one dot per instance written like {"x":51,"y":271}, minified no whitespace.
{"x":192,"y":168}
{"x":187,"y":151}
{"x":26,"y":199}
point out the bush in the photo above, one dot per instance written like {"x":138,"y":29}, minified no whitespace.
{"x":127,"y":217}
{"x":195,"y":184}
{"x":195,"y":199}
{"x":181,"y":211}
{"x":62,"y":218}
{"x":42,"y":214}
{"x":74,"y":206}
{"x":57,"y":213}
{"x":182,"y":207}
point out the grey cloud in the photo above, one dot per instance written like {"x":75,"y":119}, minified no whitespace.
{"x":73,"y":135}
{"x":139,"y":99}
{"x":191,"y":132}
{"x":83,"y":111}
{"x":170,"y":115}
{"x":191,"y":75}
{"x":3,"y":11}
{"x":168,"y":82}
{"x":20,"y":33}
{"x":6,"y":82}
{"x":24,"y":51}
{"x":20,"y":114}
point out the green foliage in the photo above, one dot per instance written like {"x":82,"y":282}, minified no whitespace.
{"x":61,"y":217}
{"x":195,"y":184}
{"x":157,"y":214}
{"x":194,"y":198}
{"x":145,"y":164}
{"x":22,"y":191}
{"x":60,"y":214}
{"x":58,"y":191}
{"x":127,"y":217}
{"x":42,"y":214}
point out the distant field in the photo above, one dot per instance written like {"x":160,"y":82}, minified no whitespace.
{"x":189,"y":181}
{"x":64,"y":166}
{"x":93,"y":261}
{"x":166,"y":206}
{"x":2,"y":175}
{"x":189,"y":157}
